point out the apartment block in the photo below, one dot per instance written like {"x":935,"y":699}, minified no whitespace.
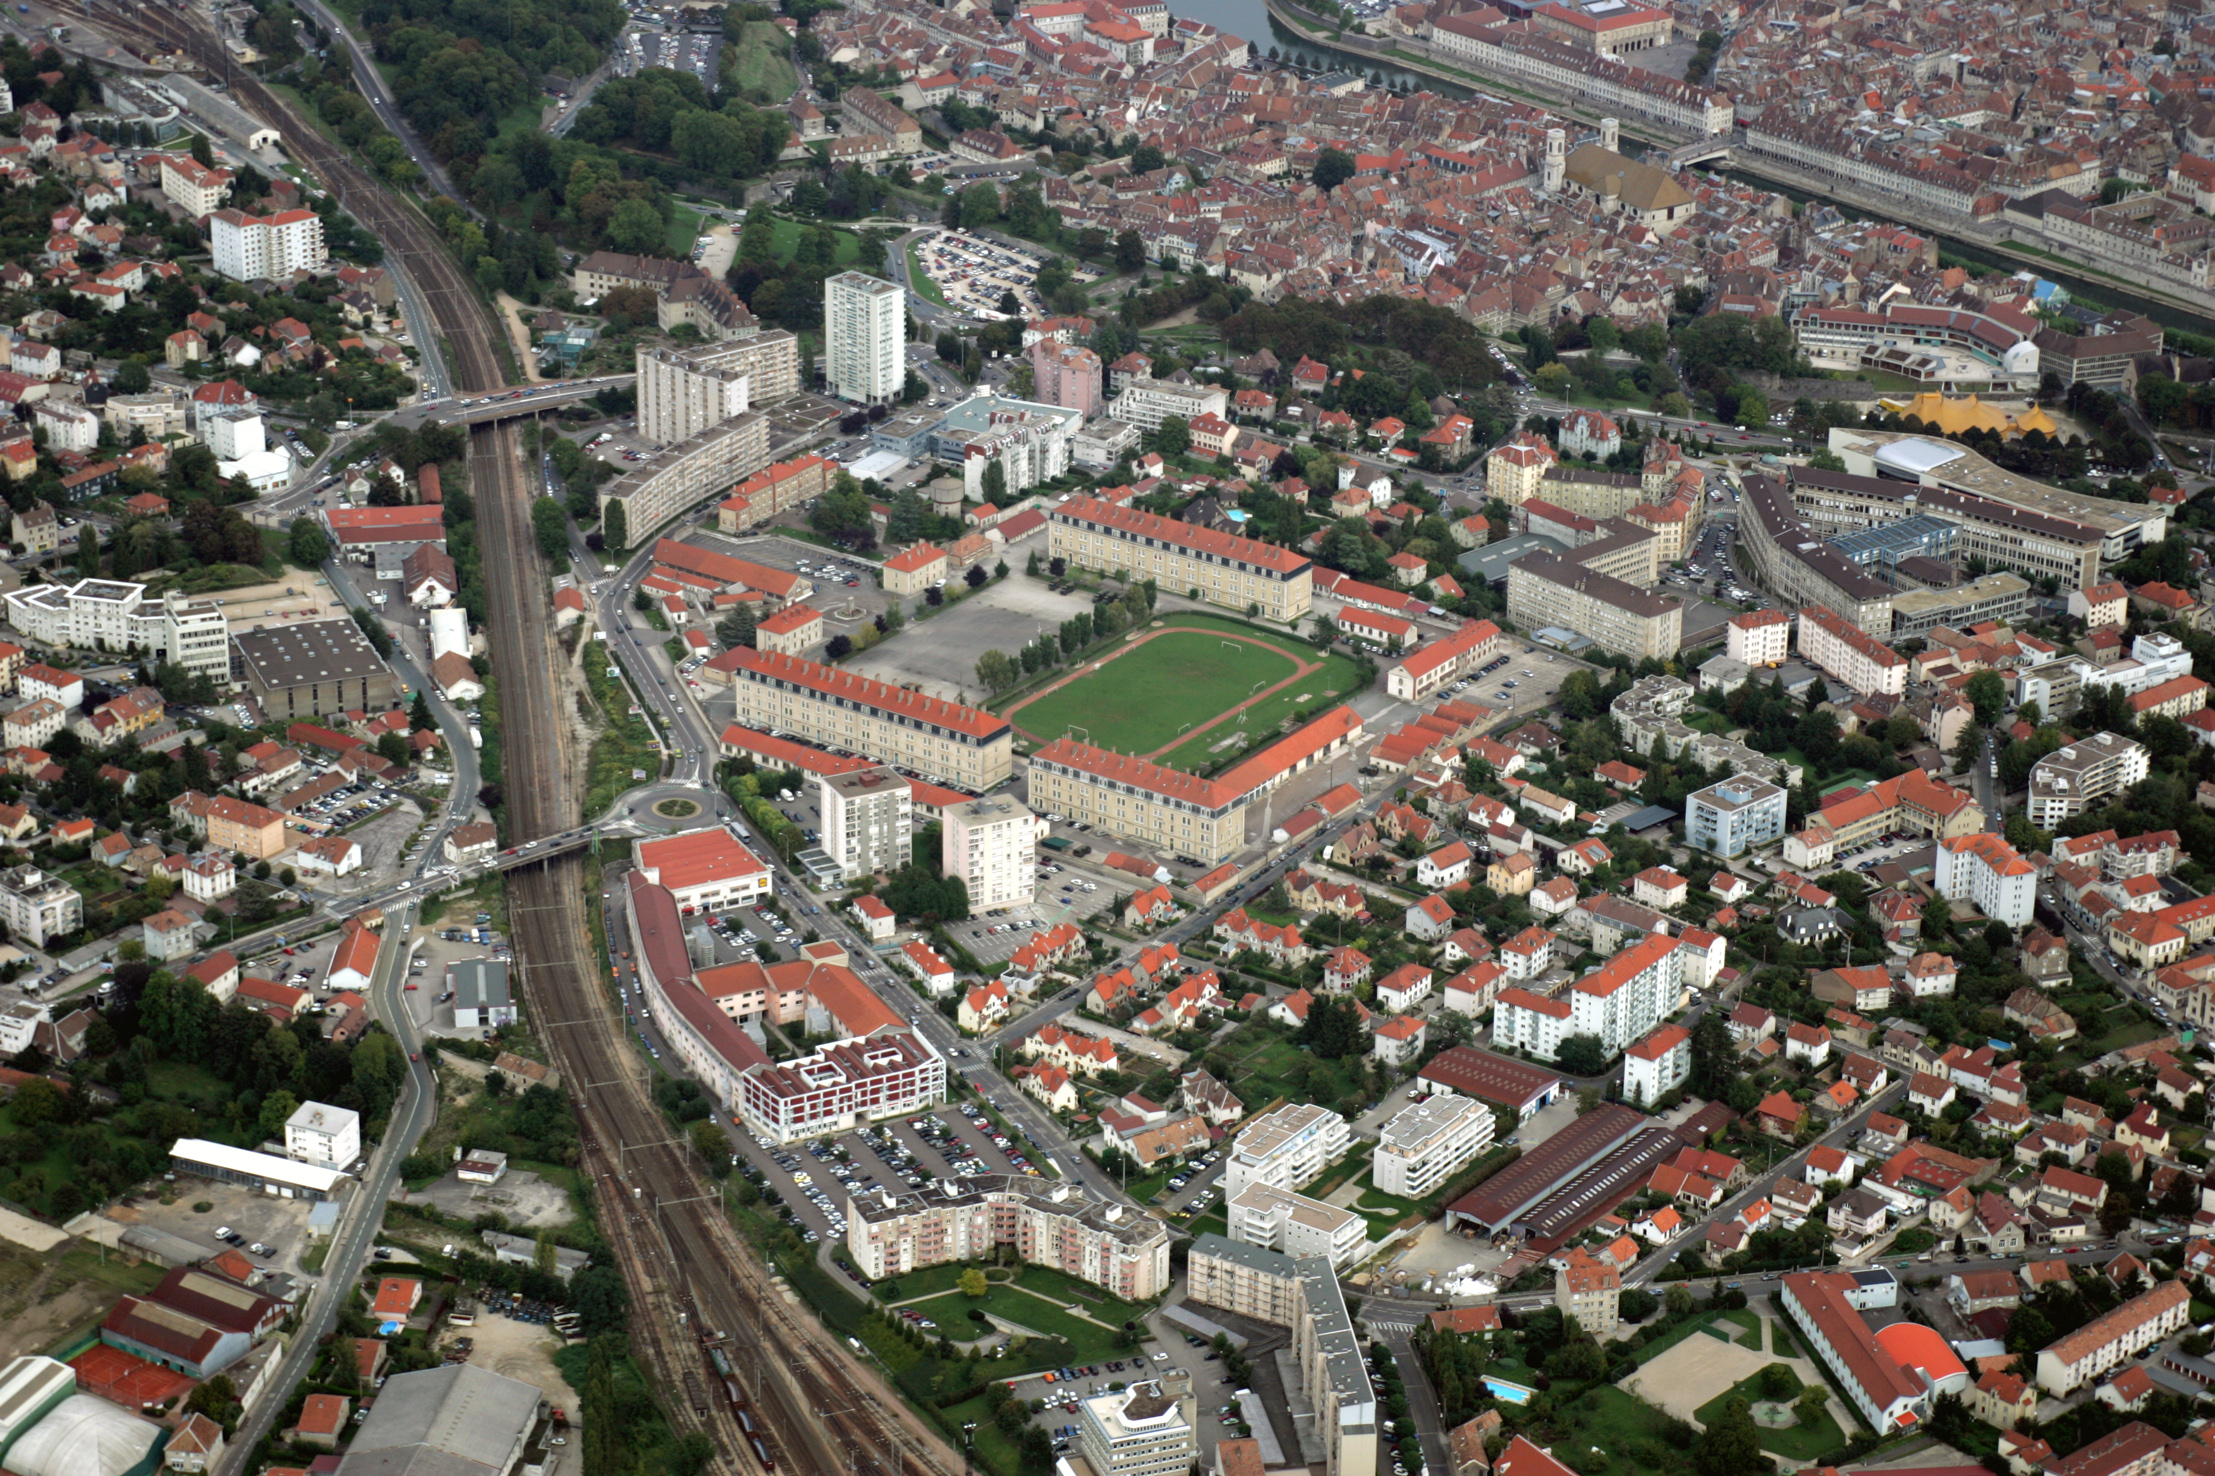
{"x":1334,"y":1375}
{"x":195,"y":187}
{"x":38,"y":908}
{"x":1428,"y":1142}
{"x":944,"y":741}
{"x":1657,"y":1065}
{"x":1146,"y":403}
{"x":2069,"y":780}
{"x":1047,"y":1222}
{"x":2071,"y":1362}
{"x":327,"y":1136}
{"x":1549,"y":592}
{"x":1221,"y":568}
{"x":682,"y":392}
{"x":111,"y":615}
{"x":1850,"y":654}
{"x":1590,"y":1290}
{"x":1281,"y":1220}
{"x":1251,"y":1280}
{"x":1285,"y":1149}
{"x":992,"y":845}
{"x":1736,"y":816}
{"x":248,"y":248}
{"x":1618,"y":1003}
{"x":1985,"y":870}
{"x":865,"y":329}
{"x":1758,"y":637}
{"x":868,"y":820}
{"x":1133,"y":798}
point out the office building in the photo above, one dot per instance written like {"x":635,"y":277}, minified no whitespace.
{"x":1553,"y":592}
{"x":316,"y":668}
{"x":1789,"y":559}
{"x":1221,"y":568}
{"x":1428,"y":1142}
{"x":2001,"y":598}
{"x":1046,"y":1222}
{"x":2071,"y":1362}
{"x":1893,"y":1375}
{"x":943,"y":741}
{"x":38,"y":908}
{"x":249,"y":248}
{"x":110,"y":615}
{"x":1617,"y":1003}
{"x":2070,"y":780}
{"x":1251,"y":1280}
{"x":1285,"y":1149}
{"x":1148,"y":1429}
{"x":864,"y":330}
{"x":868,"y":820}
{"x":1851,"y":654}
{"x":1590,"y":1290}
{"x":1985,"y":870}
{"x":1280,"y":1220}
{"x":327,"y":1136}
{"x":992,"y":845}
{"x":1736,"y":816}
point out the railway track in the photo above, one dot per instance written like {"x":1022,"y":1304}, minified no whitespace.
{"x":689,"y":1274}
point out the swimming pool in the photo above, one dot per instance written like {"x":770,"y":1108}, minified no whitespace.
{"x":1511,"y":1393}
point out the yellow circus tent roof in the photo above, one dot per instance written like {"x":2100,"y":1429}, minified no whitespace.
{"x":1954,"y":415}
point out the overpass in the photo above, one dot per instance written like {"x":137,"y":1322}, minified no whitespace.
{"x":545,"y":849}
{"x":508,"y":404}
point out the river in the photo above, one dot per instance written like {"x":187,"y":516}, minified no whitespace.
{"x":1250,"y":21}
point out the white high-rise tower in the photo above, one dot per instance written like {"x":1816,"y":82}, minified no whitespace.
{"x":865,"y":327}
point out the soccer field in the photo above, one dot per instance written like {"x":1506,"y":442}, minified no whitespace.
{"x":1142,"y":699}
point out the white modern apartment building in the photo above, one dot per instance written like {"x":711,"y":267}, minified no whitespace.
{"x":110,"y":615}
{"x":681,"y":394}
{"x":868,"y":820}
{"x":992,"y":845}
{"x":2068,"y":780}
{"x":37,"y":907}
{"x":1280,"y":1220}
{"x":1758,"y":637}
{"x":1428,"y":1142}
{"x":1657,"y":1065}
{"x":1146,"y":403}
{"x":1851,"y":654}
{"x":326,"y":1136}
{"x":1285,"y":1149}
{"x":2154,"y":659}
{"x":1983,"y":869}
{"x":1734,"y":817}
{"x":1047,"y":1222}
{"x":1617,"y":1003}
{"x":249,"y":248}
{"x":865,"y":329}
{"x":1148,"y":1429}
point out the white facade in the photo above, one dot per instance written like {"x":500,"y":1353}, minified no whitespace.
{"x":37,"y":907}
{"x":1146,"y":403}
{"x":992,"y":845}
{"x":1280,"y":1220}
{"x":1733,"y":817}
{"x":326,"y":1136}
{"x":109,"y":615}
{"x":868,"y":820}
{"x":1285,"y":1148}
{"x":1759,"y":637}
{"x":684,"y":392}
{"x":248,"y":248}
{"x":865,"y":328}
{"x":67,"y":427}
{"x":2066,"y":781}
{"x":1987,"y":871}
{"x":2154,"y":659}
{"x":1139,"y":1431}
{"x":1618,"y":1003}
{"x":1428,"y":1142}
{"x":1657,"y":1065}
{"x":234,"y":435}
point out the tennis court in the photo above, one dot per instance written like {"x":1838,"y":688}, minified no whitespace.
{"x":125,"y":1378}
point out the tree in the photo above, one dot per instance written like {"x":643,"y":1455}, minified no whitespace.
{"x":1172,"y":438}
{"x":992,"y":487}
{"x":307,"y":543}
{"x":1333,"y":167}
{"x":1731,"y":1445}
{"x":1130,"y":251}
{"x":737,"y":628}
{"x":1581,"y":1055}
{"x":976,"y":577}
{"x":713,"y":1146}
{"x":1988,"y":694}
{"x":996,"y":671}
{"x":615,"y":522}
{"x":419,"y":715}
{"x":550,"y":525}
{"x":972,"y":1282}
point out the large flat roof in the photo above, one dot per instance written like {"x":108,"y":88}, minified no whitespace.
{"x":1491,"y":1078}
{"x":191,"y":1151}
{"x":1501,"y":1199}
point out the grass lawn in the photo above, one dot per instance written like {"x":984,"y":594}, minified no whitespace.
{"x":764,"y":66}
{"x":1603,"y":1427}
{"x":1087,"y":1342}
{"x":619,"y":755}
{"x":786,"y":242}
{"x":922,"y":279}
{"x":1671,"y":1338}
{"x":1337,"y":678}
{"x":1750,"y":1323}
{"x":1259,"y":1075}
{"x":994,"y":1451}
{"x":1142,"y":699}
{"x":684,"y":229}
{"x":1794,"y":1442}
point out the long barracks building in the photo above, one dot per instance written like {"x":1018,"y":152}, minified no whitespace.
{"x":783,"y":694}
{"x":1221,"y":568}
{"x":2030,"y":543}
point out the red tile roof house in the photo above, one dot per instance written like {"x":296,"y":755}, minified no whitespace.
{"x":322,"y":1420}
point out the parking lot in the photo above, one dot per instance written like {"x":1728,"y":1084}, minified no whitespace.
{"x":1518,"y":681}
{"x":429,"y":1001}
{"x":815,"y":1180}
{"x":973,"y":272}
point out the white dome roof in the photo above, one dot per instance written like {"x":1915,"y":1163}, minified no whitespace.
{"x":84,"y":1436}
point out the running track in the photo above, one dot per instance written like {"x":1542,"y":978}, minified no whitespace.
{"x":1306,"y":669}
